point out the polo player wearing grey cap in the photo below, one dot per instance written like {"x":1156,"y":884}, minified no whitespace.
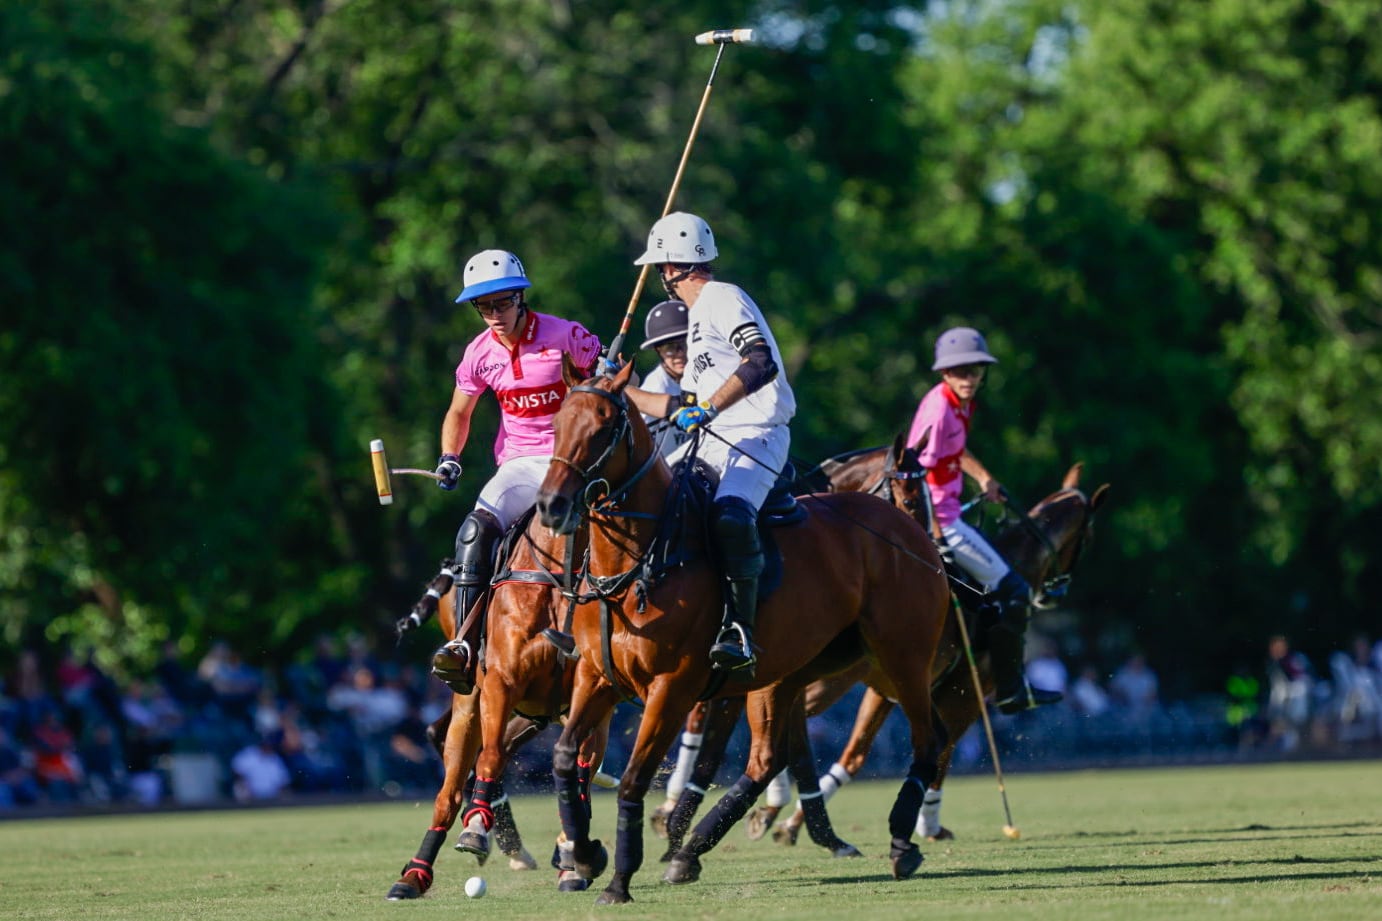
{"x":939,"y":432}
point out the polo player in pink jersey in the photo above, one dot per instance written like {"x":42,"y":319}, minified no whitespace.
{"x":940,"y":432}
{"x":519,"y":357}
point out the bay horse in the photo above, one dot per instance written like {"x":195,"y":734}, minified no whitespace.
{"x":1044,"y":548}
{"x":860,"y":582}
{"x":523,"y":686}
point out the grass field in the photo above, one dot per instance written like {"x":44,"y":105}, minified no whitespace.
{"x":1286,"y":842}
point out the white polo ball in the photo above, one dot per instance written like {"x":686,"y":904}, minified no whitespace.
{"x":475,"y":887}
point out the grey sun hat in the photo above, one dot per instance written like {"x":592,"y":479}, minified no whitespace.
{"x":667,"y":320}
{"x":961,"y":346}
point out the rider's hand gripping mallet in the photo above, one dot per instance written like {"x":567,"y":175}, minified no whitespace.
{"x":382,"y":483}
{"x":720,"y":38}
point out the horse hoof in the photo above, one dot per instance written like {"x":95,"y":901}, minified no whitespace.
{"x":658,"y":821}
{"x":907,"y":862}
{"x":591,"y":860}
{"x":944,"y":834}
{"x":571,"y":881}
{"x":611,"y":897}
{"x":477,"y":843}
{"x":845,"y":849}
{"x":683,"y":868}
{"x":402,"y":892}
{"x":786,"y":835}
{"x":759,"y":821}
{"x":668,"y":854}
{"x":521,"y":860}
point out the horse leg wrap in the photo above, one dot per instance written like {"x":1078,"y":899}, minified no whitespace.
{"x":584,"y":772}
{"x":903,"y":817}
{"x":818,"y":822}
{"x":727,"y":811}
{"x":573,"y":810}
{"x":420,"y":867}
{"x":628,"y":843}
{"x":929,"y":823}
{"x":505,"y":829}
{"x":679,"y":822}
{"x":686,"y":760}
{"x":480,"y":802}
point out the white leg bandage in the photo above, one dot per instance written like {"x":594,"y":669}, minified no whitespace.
{"x":779,"y":792}
{"x":929,"y":819}
{"x":832,"y":780}
{"x":686,"y":761}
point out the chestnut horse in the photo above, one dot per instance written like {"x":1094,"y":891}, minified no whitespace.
{"x":860,"y":582}
{"x":1043,"y":549}
{"x":523,"y":676}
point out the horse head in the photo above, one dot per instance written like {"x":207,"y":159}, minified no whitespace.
{"x":596,"y":449}
{"x":1046,"y":545}
{"x":905,"y":479}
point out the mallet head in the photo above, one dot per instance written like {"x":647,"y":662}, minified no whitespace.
{"x":382,"y":485}
{"x":725,"y":37}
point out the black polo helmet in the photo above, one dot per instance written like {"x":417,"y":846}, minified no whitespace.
{"x":667,"y":320}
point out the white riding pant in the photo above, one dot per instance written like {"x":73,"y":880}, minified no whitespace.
{"x":513,"y":488}
{"x":972,"y":553}
{"x":749,"y":464}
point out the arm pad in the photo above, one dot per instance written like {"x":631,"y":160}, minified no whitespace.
{"x":758,"y":368}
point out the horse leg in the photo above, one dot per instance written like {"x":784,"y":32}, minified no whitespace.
{"x":516,"y":735}
{"x":664,"y":711}
{"x":592,"y":701}
{"x":874,"y":709}
{"x":766,"y":758}
{"x":957,"y":708}
{"x":914,"y":696}
{"x":591,"y":753}
{"x":719,"y":719}
{"x":687,"y":753}
{"x":803,"y":769}
{"x":458,"y":754}
{"x":501,"y":736}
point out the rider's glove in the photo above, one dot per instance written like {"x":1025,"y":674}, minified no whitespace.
{"x":690,"y":418}
{"x":449,"y":469}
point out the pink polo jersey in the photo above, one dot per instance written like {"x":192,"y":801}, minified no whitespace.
{"x":940,"y":413}
{"x":526,"y":379}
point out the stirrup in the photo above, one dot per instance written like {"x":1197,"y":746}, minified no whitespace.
{"x":454,"y":665}
{"x":565,"y":642}
{"x":1027,"y":698}
{"x":732,"y":651}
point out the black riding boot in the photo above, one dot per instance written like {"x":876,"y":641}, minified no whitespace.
{"x":1008,"y":613}
{"x":454,"y":663}
{"x":741,"y":558}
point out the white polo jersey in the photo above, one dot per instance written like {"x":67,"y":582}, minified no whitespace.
{"x":722,"y":319}
{"x":667,"y":436}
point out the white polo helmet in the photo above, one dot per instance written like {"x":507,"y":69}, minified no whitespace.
{"x":681,"y":238}
{"x":491,"y":271}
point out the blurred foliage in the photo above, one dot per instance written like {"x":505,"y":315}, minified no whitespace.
{"x":232,"y":236}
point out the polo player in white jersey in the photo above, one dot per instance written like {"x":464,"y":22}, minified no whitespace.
{"x":735,"y":388}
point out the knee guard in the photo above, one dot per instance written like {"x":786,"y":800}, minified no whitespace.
{"x":736,"y":538}
{"x":475,"y":549}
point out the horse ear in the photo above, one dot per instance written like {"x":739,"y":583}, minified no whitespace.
{"x":899,"y":450}
{"x":568,"y":371}
{"x":1098,"y":498}
{"x":621,"y":380}
{"x":1072,"y":476}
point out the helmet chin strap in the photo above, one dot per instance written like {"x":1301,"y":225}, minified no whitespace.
{"x":670,"y":284}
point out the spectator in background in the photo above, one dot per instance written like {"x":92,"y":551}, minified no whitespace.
{"x":1356,"y":707}
{"x":175,"y":679}
{"x":1290,"y":682}
{"x":32,"y":702}
{"x":1087,"y":696}
{"x":18,"y":786}
{"x":57,"y":767}
{"x":1045,"y":669}
{"x":1135,"y":688}
{"x":259,"y":771}
{"x":373,"y":710}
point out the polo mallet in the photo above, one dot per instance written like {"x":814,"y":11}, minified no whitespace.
{"x":1009,"y":830}
{"x":720,"y":38}
{"x":383,"y":485}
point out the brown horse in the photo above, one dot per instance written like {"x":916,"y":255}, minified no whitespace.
{"x":1044,"y":550}
{"x":861,"y":582}
{"x":524,"y":678}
